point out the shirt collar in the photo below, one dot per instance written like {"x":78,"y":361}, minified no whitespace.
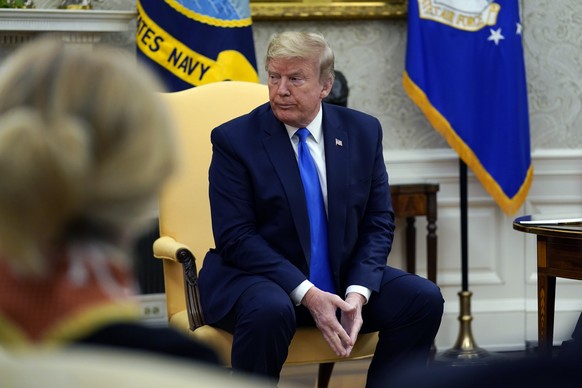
{"x":314,"y":127}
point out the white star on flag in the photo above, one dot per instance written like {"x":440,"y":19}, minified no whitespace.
{"x":519,"y":28}
{"x":495,"y":36}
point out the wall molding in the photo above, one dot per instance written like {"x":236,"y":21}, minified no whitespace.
{"x":77,"y":28}
{"x":43,"y":20}
{"x":502,"y":261}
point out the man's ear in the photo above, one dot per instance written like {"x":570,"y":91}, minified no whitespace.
{"x":327,"y":85}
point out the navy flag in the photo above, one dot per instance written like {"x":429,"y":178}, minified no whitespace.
{"x":192,"y":42}
{"x":465,"y":70}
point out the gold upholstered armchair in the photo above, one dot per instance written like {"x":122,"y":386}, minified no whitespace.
{"x":185,"y":226}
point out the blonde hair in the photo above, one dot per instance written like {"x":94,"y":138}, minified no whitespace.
{"x":85,"y":145}
{"x":304,"y":45}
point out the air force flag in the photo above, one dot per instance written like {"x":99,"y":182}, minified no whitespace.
{"x":191,"y":43}
{"x":465,"y":70}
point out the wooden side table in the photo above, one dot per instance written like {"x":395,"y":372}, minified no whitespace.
{"x":559,"y":255}
{"x":410,"y":201}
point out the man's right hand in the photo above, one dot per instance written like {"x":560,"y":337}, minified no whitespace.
{"x":323,"y":306}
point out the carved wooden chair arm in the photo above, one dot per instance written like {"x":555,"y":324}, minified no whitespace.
{"x":167,"y":248}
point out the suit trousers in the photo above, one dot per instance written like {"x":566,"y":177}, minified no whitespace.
{"x":406,"y":311}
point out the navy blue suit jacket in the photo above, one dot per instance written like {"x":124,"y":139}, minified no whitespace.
{"x":259,"y":213}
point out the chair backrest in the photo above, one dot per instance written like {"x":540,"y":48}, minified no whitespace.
{"x":184,"y":207}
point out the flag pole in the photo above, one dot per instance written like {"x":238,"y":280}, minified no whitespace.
{"x":465,"y":351}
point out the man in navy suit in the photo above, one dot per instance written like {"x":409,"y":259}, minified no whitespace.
{"x":255,"y":284}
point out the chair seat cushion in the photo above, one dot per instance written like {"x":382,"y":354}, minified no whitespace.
{"x":307,"y":347}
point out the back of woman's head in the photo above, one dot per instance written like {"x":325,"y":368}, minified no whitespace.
{"x":85,"y":145}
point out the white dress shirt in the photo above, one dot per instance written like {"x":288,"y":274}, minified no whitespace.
{"x":316,"y":147}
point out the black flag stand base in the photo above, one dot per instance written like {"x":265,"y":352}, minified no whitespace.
{"x":465,"y":352}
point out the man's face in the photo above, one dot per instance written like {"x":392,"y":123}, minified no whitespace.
{"x":295,"y":91}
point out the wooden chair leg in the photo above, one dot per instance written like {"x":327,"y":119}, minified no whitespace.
{"x":324,"y":374}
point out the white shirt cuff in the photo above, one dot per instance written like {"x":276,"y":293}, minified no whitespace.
{"x":299,"y":292}
{"x":365,"y":292}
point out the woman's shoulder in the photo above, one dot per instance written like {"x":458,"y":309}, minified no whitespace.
{"x":160,"y":340}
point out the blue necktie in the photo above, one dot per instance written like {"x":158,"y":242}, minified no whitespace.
{"x":319,"y":267}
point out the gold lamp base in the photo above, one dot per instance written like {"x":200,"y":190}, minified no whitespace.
{"x":465,"y":351}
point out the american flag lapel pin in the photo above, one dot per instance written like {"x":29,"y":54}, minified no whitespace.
{"x":339,"y":143}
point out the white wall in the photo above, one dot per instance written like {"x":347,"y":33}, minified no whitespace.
{"x":502,"y":261}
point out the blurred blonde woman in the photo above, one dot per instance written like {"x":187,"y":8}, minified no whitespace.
{"x":85,"y":146}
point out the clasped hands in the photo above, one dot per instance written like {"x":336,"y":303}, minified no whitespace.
{"x":340,"y":335}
